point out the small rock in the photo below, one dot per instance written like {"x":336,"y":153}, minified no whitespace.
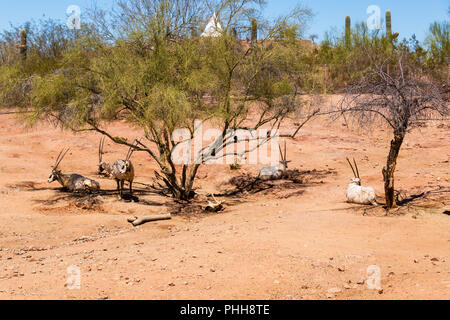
{"x":361,"y":281}
{"x":171,"y":284}
{"x":334,"y":290}
{"x":341,"y":268}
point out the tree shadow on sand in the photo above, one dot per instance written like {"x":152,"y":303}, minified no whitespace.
{"x":415,"y":202}
{"x":94,"y":201}
{"x":291,"y":180}
{"x":241,"y":189}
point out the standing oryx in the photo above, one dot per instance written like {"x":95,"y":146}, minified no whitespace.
{"x":72,"y":182}
{"x":275,"y":172}
{"x":356,"y":193}
{"x":120,"y":170}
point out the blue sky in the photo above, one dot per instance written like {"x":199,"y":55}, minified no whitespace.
{"x":408,"y":17}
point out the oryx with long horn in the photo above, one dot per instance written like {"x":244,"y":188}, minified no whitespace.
{"x":275,"y":172}
{"x":72,"y":182}
{"x":357,"y":193}
{"x":121,"y":170}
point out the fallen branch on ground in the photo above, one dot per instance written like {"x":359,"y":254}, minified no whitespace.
{"x":136,"y":221}
{"x":215,"y":206}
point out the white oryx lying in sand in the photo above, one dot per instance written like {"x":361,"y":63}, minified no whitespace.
{"x":275,"y":172}
{"x":357,"y":193}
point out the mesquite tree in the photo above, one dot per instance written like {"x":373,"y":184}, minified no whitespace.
{"x":401,"y":99}
{"x":143,"y":63}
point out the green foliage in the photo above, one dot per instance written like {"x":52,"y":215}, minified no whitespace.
{"x":438,"y":43}
{"x":27,"y":53}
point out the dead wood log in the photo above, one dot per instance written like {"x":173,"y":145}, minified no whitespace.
{"x":136,"y":221}
{"x":215,"y":206}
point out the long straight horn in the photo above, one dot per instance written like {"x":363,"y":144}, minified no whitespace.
{"x":285,"y":151}
{"x":281,"y":153}
{"x":354,"y":174}
{"x":130,"y":151}
{"x":100,"y":150}
{"x":356,"y":167}
{"x":57,"y":158}
{"x":62,"y":157}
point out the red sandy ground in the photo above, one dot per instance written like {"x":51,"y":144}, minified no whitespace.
{"x":311,"y":245}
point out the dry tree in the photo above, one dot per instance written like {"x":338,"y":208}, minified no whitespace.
{"x":402,"y":98}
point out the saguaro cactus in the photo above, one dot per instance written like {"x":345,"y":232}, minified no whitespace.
{"x":254,"y":30}
{"x":389,"y":36}
{"x":23,"y":48}
{"x":234,"y":32}
{"x":388,"y":25}
{"x":347,"y":31}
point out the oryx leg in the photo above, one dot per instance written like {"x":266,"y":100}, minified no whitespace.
{"x":118,"y":189}
{"x":121,"y":188}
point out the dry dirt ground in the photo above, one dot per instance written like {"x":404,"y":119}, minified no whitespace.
{"x":294,"y":240}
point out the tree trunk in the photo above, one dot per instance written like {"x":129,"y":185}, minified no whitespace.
{"x":389,"y":169}
{"x":180,"y":189}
